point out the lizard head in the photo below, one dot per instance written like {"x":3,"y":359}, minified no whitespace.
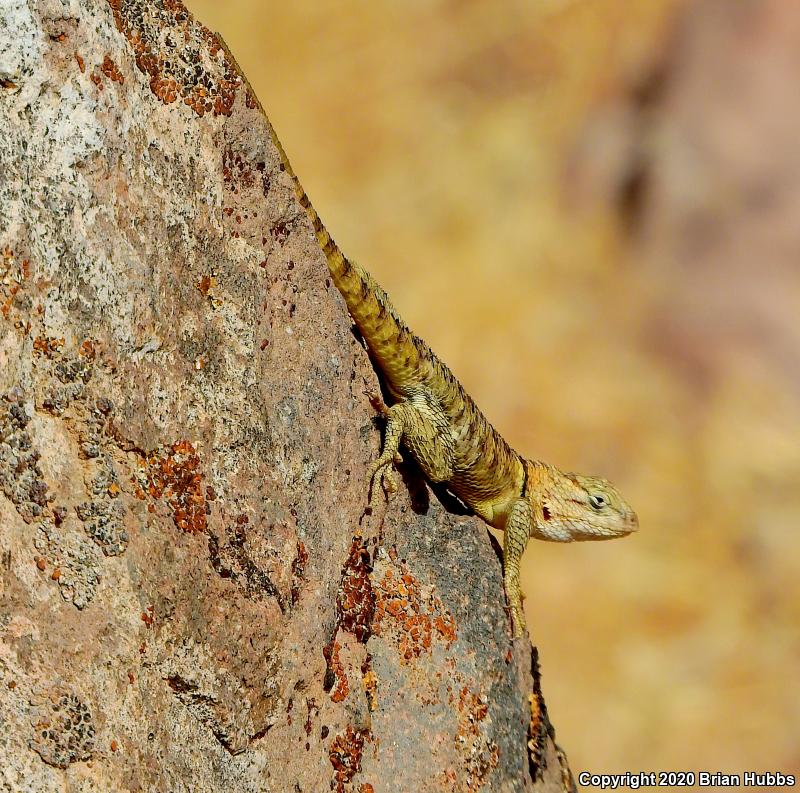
{"x":575,"y":507}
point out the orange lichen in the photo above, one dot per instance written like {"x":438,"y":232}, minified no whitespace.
{"x":6,"y":307}
{"x":239,"y":172}
{"x":481,"y":754}
{"x":47,"y":346}
{"x":81,"y":63}
{"x":445,"y":626}
{"x":341,"y":685}
{"x":175,"y":475}
{"x":87,"y":349}
{"x":355,"y":600}
{"x":355,"y":607}
{"x":110,"y":70}
{"x":450,"y":779}
{"x":298,"y":570}
{"x":345,"y":755}
{"x":417,"y":619}
{"x":204,"y":285}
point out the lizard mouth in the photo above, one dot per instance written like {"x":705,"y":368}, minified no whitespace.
{"x":631,"y":523}
{"x":627,"y":524}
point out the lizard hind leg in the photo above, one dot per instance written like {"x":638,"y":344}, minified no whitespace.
{"x":424,"y":431}
{"x":517,"y":532}
{"x":380,"y":472}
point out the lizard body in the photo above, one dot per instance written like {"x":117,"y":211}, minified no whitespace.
{"x":442,"y":427}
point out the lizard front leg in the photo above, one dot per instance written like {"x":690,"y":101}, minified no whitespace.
{"x":517,"y":532}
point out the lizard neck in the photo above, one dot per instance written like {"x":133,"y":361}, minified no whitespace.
{"x":495,"y":510}
{"x":539,"y":479}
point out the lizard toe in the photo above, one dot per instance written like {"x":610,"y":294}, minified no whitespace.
{"x":376,"y":402}
{"x":389,"y":482}
{"x":380,"y":474}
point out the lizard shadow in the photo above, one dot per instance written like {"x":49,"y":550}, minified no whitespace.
{"x":496,"y":547}
{"x":412,"y":476}
{"x":420,"y":489}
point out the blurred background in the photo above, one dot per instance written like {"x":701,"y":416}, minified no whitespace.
{"x":591,"y":210}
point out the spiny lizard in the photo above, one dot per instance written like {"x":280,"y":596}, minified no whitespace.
{"x":438,"y":422}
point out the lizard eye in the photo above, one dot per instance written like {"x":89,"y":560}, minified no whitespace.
{"x":597,"y":500}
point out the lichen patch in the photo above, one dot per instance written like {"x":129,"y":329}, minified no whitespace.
{"x":410,"y":615}
{"x":63,"y":731}
{"x":174,"y":474}
{"x":21,"y":477}
{"x":183,"y":58}
{"x":345,"y":755}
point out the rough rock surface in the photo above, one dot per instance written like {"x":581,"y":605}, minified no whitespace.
{"x":192,"y":596}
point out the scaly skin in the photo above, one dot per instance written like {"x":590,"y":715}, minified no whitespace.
{"x":437,"y":421}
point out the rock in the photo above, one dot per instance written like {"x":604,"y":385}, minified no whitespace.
{"x":193,"y":596}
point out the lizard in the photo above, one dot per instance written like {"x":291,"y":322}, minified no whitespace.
{"x":437,"y":421}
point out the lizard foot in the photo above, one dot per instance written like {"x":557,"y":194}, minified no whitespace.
{"x":515,"y":607}
{"x":380,"y":472}
{"x":376,"y":402}
{"x":517,"y":624}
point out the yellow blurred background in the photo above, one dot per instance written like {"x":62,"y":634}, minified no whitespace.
{"x":591,"y":210}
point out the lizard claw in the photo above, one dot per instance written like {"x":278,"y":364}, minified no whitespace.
{"x":388,"y":482}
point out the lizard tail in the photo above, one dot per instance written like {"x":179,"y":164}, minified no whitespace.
{"x":402,"y":361}
{"x":399,"y":354}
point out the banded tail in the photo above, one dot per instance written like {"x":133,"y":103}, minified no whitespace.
{"x":403,"y":359}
